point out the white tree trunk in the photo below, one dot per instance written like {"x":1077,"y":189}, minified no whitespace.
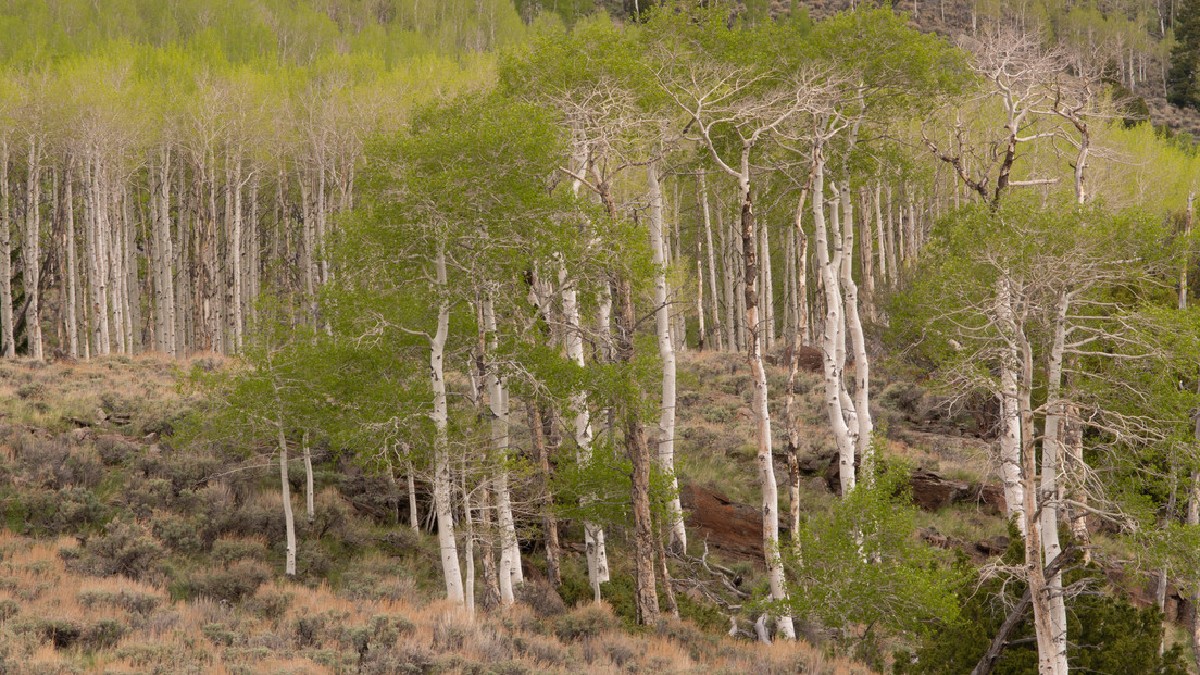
{"x":666,"y":350}
{"x":718,"y":327}
{"x":70,"y":302}
{"x":1052,"y":454}
{"x":236,"y":249}
{"x":31,"y":253}
{"x":6,"y":299}
{"x":759,"y":402}
{"x":413,"y":522}
{"x":289,"y":522}
{"x":597,"y":556}
{"x":831,"y":335}
{"x":468,"y":547}
{"x":728,"y":280}
{"x":164,"y":258}
{"x":880,"y":236}
{"x":861,"y":402}
{"x":768,"y":290}
{"x":510,"y":554}
{"x":442,"y":483}
{"x":306,"y":450}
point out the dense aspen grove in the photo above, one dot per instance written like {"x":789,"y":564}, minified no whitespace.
{"x":469,"y":243}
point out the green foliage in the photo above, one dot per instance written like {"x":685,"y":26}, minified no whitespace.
{"x":1108,"y":634}
{"x":859,"y":565}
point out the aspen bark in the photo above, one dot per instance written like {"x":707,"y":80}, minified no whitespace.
{"x":666,"y":350}
{"x":6,"y":299}
{"x":803,"y":307}
{"x":718,"y":326}
{"x":289,"y":521}
{"x":890,"y":232}
{"x":1183,"y":270}
{"x":306,"y":451}
{"x":759,"y":402}
{"x":166,"y":253}
{"x":469,"y":541}
{"x":1010,"y":416}
{"x":881,"y":236}
{"x":864,"y":426}
{"x":71,"y":273}
{"x":31,"y":251}
{"x":768,"y":290}
{"x":597,"y":557}
{"x":1076,"y":470}
{"x":413,"y":521}
{"x":442,"y":483}
{"x":702,"y":330}
{"x":510,"y":556}
{"x":491,"y":578}
{"x":728,"y":282}
{"x":1043,"y":621}
{"x":867,"y":260}
{"x":789,"y":412}
{"x":832,"y":337}
{"x":638,"y":450}
{"x":1052,"y":453}
{"x":549,"y":522}
{"x":235,"y":257}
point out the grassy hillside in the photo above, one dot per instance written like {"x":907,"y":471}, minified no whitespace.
{"x":122,"y":553}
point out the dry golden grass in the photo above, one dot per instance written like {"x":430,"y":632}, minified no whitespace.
{"x":210,"y":637}
{"x":288,"y":627}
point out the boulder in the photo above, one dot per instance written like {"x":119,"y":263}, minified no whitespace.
{"x":729,"y":527}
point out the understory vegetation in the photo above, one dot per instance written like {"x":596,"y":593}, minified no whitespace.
{"x":500,"y":336}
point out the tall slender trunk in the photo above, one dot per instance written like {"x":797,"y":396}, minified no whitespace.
{"x":759,"y":404}
{"x":71,"y":273}
{"x":442,"y":482}
{"x":309,"y":505}
{"x":597,"y":556}
{"x":413,"y":520}
{"x":638,"y":450}
{"x":469,"y":540}
{"x":867,"y":259}
{"x":31,"y":251}
{"x":767,"y":297}
{"x":491,"y":578}
{"x":1010,"y":415}
{"x":166,"y":273}
{"x":1052,"y":453}
{"x":832,"y":337}
{"x":864,"y":426}
{"x":666,"y":350}
{"x":668,"y":590}
{"x":881,"y":236}
{"x":890,"y":231}
{"x":6,"y":299}
{"x":718,"y":326}
{"x":236,"y":252}
{"x":1076,"y":471}
{"x":510,"y":555}
{"x":289,"y":522}
{"x":549,"y":522}
{"x":728,"y":282}
{"x":702,"y":329}
{"x":804,"y":312}
{"x":789,"y":411}
{"x":1187,"y":263}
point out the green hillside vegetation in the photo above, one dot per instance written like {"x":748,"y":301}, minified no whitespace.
{"x":487,"y":336}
